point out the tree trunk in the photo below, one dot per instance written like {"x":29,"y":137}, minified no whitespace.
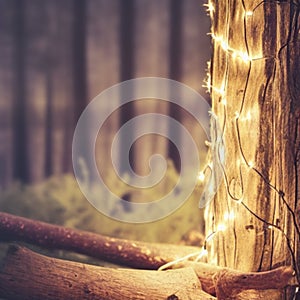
{"x":20,"y":146}
{"x":254,"y":84}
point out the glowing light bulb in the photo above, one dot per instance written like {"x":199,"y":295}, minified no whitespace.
{"x":228,"y":216}
{"x":250,"y":164}
{"x":224,"y":46}
{"x":201,"y":176}
{"x":203,"y":253}
{"x":236,"y":115}
{"x":248,"y":116}
{"x":244,"y":56}
{"x":240,"y":201}
{"x":210,"y":7}
{"x":221,"y":227}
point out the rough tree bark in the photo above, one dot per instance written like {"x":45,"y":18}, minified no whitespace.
{"x":255,"y":92}
{"x":28,"y":275}
{"x":119,"y":251}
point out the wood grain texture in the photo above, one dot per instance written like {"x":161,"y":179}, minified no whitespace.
{"x":260,"y":128}
{"x":229,"y":283}
{"x":120,"y":251}
{"x":27,"y":275}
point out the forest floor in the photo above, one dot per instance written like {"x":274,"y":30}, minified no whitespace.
{"x":59,"y":200}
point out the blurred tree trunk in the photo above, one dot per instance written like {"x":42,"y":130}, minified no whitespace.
{"x":8,"y":41}
{"x":20,"y":149}
{"x":175,"y":64}
{"x":151,"y":18}
{"x":255,"y":93}
{"x":127,"y":52}
{"x":56,"y":55}
{"x":104,"y":62}
{"x":79,"y":57}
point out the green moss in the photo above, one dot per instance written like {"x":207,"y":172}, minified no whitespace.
{"x":59,"y":200}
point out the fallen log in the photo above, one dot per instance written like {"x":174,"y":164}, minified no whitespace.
{"x":28,"y":275}
{"x":134,"y":254}
{"x":224,"y":282}
{"x":227,"y":283}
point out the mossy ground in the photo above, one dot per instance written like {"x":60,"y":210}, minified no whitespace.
{"x":59,"y":200}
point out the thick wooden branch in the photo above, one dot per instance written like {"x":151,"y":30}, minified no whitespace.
{"x":227,"y":283}
{"x":223,"y":282}
{"x":28,"y":275}
{"x":119,"y":251}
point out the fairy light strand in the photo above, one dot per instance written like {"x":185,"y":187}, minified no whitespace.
{"x":248,"y":59}
{"x":230,"y":216}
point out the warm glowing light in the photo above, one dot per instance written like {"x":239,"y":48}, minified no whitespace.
{"x":249,"y":13}
{"x":210,"y":8}
{"x":224,"y":46}
{"x":221,"y":227}
{"x":244,"y":56}
{"x":224,"y":101}
{"x":207,"y":82}
{"x":236,"y":115}
{"x":201,"y":176}
{"x":210,"y":165}
{"x":229,"y":216}
{"x":202,"y":254}
{"x":178,"y":260}
{"x":240,"y":201}
{"x":248,"y":116}
{"x":207,"y":143}
{"x":250,"y":164}
{"x":235,"y":53}
{"x":210,"y":237}
{"x":220,"y":91}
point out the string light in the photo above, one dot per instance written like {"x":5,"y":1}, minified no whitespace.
{"x":251,"y":164}
{"x":239,"y":201}
{"x":207,"y":82}
{"x":210,"y":8}
{"x":221,"y":227}
{"x":201,"y":176}
{"x":248,"y":116}
{"x":235,"y":53}
{"x":240,"y":115}
{"x":220,"y":91}
{"x":202,"y":254}
{"x":229,"y":216}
